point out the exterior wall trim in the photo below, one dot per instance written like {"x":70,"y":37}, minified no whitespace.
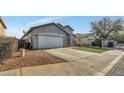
{"x":50,"y":34}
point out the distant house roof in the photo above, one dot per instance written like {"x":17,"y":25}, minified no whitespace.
{"x":2,"y":22}
{"x":87,"y":34}
{"x":58,"y":25}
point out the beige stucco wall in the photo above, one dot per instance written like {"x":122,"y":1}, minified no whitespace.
{"x":2,"y":30}
{"x":88,"y":42}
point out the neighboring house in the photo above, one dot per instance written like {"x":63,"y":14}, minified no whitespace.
{"x":89,"y":40}
{"x":79,"y":37}
{"x":49,"y":35}
{"x":86,"y":40}
{"x":2,"y":27}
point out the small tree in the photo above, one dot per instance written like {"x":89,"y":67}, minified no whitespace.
{"x":23,"y":31}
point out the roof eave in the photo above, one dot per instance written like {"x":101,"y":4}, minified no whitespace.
{"x":43,"y":25}
{"x":3,"y":22}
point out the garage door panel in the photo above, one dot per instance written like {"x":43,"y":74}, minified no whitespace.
{"x":50,"y":41}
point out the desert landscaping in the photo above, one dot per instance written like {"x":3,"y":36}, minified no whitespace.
{"x":31,"y":58}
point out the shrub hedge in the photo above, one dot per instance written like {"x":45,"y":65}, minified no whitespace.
{"x":6,"y":47}
{"x":119,"y":38}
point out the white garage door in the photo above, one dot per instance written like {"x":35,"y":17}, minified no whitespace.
{"x":50,"y":42}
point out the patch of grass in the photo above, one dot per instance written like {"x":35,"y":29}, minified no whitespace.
{"x":94,"y":50}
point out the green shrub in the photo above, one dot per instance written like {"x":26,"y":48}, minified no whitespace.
{"x":6,"y":47}
{"x":119,"y":38}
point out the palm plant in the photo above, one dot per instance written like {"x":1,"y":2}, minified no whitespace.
{"x":80,"y":37}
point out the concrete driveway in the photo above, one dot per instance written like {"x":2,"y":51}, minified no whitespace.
{"x":69,"y":54}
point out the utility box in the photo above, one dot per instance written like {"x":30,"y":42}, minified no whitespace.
{"x":108,"y":44}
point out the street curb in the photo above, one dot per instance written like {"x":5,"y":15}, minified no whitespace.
{"x":110,"y":66}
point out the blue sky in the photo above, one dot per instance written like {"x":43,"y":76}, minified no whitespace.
{"x":16,"y":24}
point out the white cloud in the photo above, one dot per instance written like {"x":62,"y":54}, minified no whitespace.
{"x":45,"y":20}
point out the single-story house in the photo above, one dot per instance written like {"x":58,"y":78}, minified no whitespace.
{"x":2,"y":27}
{"x":89,"y":40}
{"x":86,"y":39}
{"x":50,"y":35}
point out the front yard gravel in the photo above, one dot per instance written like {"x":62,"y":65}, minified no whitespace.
{"x":32,"y":58}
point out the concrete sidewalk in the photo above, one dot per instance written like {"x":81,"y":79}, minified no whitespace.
{"x":118,"y":69}
{"x":95,"y":65}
